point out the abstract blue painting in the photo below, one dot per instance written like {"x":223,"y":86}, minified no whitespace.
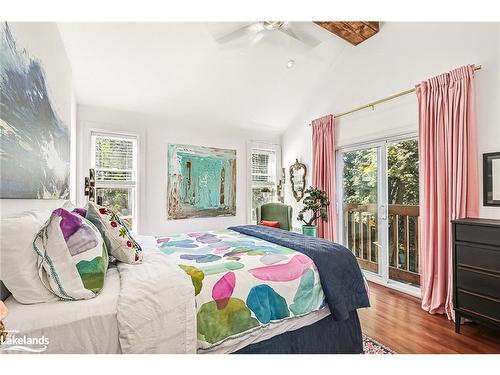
{"x":34,"y":141}
{"x":201,"y":182}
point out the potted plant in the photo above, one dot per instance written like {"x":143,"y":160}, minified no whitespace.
{"x":315,"y":201}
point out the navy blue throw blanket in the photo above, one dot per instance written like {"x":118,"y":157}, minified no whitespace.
{"x":340,"y":275}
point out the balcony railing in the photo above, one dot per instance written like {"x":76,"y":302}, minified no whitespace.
{"x":360,"y":232}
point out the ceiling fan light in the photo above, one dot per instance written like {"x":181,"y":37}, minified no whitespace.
{"x":273,"y":25}
{"x":290,"y":64}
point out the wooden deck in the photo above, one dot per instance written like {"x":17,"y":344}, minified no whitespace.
{"x":396,"y":320}
{"x":360,"y":233}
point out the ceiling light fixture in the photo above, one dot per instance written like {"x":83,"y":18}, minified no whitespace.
{"x":290,"y":64}
{"x":273,"y":25}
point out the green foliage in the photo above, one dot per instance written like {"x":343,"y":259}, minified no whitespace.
{"x":402,"y":173}
{"x":117,"y":200}
{"x":360,"y":174}
{"x":315,"y":202}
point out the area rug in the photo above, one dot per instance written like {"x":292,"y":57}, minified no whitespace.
{"x":372,"y":346}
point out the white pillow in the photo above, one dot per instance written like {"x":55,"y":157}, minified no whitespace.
{"x":18,"y":260}
{"x":44,"y":215}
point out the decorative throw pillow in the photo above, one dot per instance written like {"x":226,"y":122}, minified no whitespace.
{"x":72,"y":255}
{"x":18,"y":261}
{"x":80,"y":211}
{"x":270,"y":223}
{"x":119,"y":242}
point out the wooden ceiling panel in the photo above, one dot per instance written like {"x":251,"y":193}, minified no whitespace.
{"x":354,"y":32}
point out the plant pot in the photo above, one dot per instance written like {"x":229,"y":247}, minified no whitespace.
{"x":310,"y":230}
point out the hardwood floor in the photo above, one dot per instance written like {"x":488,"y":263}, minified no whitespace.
{"x":396,"y":320}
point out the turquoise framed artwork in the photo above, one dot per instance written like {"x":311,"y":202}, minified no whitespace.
{"x":201,"y":182}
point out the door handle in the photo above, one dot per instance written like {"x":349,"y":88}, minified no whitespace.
{"x":383,"y":212}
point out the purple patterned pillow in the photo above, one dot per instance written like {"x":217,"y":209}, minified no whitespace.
{"x":80,"y":211}
{"x":68,"y":246}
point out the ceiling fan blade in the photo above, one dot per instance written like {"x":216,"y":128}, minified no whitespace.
{"x":246,"y":30}
{"x":289,"y":32}
{"x":299,"y":35}
{"x":256,"y":39}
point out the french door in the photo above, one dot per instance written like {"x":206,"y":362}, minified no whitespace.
{"x":378,"y":208}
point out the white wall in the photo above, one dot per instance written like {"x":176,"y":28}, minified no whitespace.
{"x":42,"y":41}
{"x":397,"y":58}
{"x":154,"y":135}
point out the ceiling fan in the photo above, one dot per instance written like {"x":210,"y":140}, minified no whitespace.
{"x":257,"y":30}
{"x":354,"y":32}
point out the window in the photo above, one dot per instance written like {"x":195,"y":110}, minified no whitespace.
{"x":114,"y":159}
{"x":263,"y":175}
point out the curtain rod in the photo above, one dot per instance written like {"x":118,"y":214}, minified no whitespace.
{"x":386,"y":99}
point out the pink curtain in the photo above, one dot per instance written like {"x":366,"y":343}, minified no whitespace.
{"x":448,"y":178}
{"x":323,"y":142}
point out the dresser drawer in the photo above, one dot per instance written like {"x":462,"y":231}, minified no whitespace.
{"x":483,"y":257}
{"x":480,"y":234}
{"x":479,"y":282}
{"x":485,"y":307}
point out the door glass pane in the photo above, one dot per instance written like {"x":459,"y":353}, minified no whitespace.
{"x":360,"y":206}
{"x":120,"y":201}
{"x":402,"y":184}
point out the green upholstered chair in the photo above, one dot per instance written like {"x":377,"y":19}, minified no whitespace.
{"x":276,"y":212}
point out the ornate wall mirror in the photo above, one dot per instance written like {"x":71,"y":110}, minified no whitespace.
{"x":298,"y":179}
{"x":491,"y":179}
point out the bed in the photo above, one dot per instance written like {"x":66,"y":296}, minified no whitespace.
{"x":247,"y":289}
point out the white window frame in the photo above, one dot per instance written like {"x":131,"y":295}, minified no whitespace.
{"x":261,"y":145}
{"x":120,"y":184}
{"x":381,"y":144}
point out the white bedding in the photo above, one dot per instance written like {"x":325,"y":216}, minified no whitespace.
{"x":156,"y":308}
{"x":147,"y":308}
{"x":87,"y":326}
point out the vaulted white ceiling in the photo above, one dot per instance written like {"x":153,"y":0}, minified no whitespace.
{"x":180,"y":70}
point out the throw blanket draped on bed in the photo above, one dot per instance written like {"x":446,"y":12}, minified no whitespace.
{"x":156,"y":311}
{"x":340,"y":275}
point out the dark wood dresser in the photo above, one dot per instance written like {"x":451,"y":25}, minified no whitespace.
{"x":476,"y":271}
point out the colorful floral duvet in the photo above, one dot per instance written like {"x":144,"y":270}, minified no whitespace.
{"x":243,"y":283}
